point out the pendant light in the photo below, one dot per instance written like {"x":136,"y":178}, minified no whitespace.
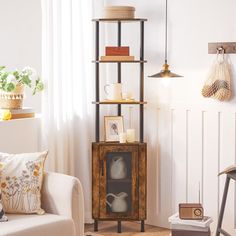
{"x":165,"y":72}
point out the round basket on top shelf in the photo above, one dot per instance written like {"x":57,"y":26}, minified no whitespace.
{"x":119,"y":12}
{"x":13,"y":83}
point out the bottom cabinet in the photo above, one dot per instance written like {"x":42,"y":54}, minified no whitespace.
{"x":119,"y":181}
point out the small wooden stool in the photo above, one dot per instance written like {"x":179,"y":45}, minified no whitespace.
{"x":219,"y":230}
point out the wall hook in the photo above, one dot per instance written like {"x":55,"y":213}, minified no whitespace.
{"x":225,"y":47}
{"x":220,"y":50}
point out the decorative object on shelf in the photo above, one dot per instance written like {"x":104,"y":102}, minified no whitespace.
{"x":218,"y":83}
{"x":130,"y":132}
{"x":117,"y":58}
{"x":191,"y":211}
{"x":113,"y":127}
{"x":12,"y":86}
{"x":25,"y":112}
{"x":117,"y":51}
{"x":181,"y":227}
{"x":165,"y":72}
{"x":117,"y":54}
{"x":130,"y":135}
{"x":5,"y":114}
{"x":122,"y":137}
{"x":118,"y":168}
{"x":128,"y":96}
{"x":113,"y":91}
{"x":119,"y":12}
{"x":119,"y":203}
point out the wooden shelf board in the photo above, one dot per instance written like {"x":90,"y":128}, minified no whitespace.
{"x":119,"y":19}
{"x":135,"y":61}
{"x":119,"y":180}
{"x":120,"y":102}
{"x":117,"y":143}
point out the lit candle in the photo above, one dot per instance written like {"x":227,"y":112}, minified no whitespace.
{"x":130,"y":135}
{"x":122,"y":137}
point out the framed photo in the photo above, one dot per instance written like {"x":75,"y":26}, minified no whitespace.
{"x":114,"y":125}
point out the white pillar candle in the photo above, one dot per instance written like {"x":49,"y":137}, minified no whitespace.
{"x":122,"y":137}
{"x":130,"y":135}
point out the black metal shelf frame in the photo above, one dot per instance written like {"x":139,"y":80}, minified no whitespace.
{"x":97,"y":77}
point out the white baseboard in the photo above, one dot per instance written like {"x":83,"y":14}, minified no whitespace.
{"x":88,"y":218}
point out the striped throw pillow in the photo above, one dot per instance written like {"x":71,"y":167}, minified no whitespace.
{"x":2,"y":214}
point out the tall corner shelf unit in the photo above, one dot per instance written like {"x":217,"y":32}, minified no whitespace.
{"x":109,"y":195}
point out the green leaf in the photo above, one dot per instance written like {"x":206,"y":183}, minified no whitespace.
{"x":26,"y":80}
{"x":38,"y":86}
{"x":16,"y":74}
{"x":9,"y":87}
{"x":3,"y":77}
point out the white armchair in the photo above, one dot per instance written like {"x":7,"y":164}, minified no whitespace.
{"x":63,"y":201}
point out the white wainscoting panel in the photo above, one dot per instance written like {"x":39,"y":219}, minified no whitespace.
{"x":20,"y":135}
{"x":194,"y":144}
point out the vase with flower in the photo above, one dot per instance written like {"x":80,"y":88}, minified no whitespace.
{"x":12,"y":84}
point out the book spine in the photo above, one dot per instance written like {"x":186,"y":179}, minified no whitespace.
{"x":117,"y":58}
{"x":21,"y":116}
{"x":189,"y":233}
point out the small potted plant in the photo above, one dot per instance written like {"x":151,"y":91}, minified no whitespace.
{"x":12,"y":85}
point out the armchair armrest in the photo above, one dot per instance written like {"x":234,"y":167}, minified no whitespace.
{"x":63,"y":195}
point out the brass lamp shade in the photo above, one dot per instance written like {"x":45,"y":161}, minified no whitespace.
{"x":165,"y":73}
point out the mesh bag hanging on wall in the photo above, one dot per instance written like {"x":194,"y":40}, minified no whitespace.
{"x":218,"y":83}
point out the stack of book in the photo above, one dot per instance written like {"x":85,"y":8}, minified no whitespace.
{"x":25,"y":112}
{"x":117,"y":54}
{"x":190,"y":227}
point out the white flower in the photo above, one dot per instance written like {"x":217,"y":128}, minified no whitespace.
{"x":30,"y":71}
{"x":11,"y":79}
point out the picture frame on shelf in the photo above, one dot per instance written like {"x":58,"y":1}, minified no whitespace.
{"x":113,"y":126}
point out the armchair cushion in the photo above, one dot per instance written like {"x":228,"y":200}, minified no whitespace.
{"x":37,"y":225}
{"x":63,"y":195}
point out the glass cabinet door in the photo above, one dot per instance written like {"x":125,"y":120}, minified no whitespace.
{"x":119,"y":174}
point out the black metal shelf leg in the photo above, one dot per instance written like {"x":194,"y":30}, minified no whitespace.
{"x":119,"y":226}
{"x":95,"y":225}
{"x":142,"y":226}
{"x":97,"y":112}
{"x":141,"y":96}
{"x":119,"y":64}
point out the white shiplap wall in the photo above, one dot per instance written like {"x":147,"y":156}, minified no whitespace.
{"x":194,"y":143}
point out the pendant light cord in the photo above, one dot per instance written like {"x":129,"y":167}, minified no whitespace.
{"x":166,"y":35}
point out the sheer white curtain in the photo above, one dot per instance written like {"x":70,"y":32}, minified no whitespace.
{"x":67,"y":119}
{"x":67,"y":71}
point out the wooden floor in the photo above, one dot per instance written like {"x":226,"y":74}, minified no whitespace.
{"x":108,"y":228}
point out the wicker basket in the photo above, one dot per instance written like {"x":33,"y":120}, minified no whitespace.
{"x":12,"y":100}
{"x":119,"y":12}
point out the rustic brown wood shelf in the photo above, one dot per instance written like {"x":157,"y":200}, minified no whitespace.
{"x":119,"y":180}
{"x":120,"y":102}
{"x":119,"y":19}
{"x":135,"y":61}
